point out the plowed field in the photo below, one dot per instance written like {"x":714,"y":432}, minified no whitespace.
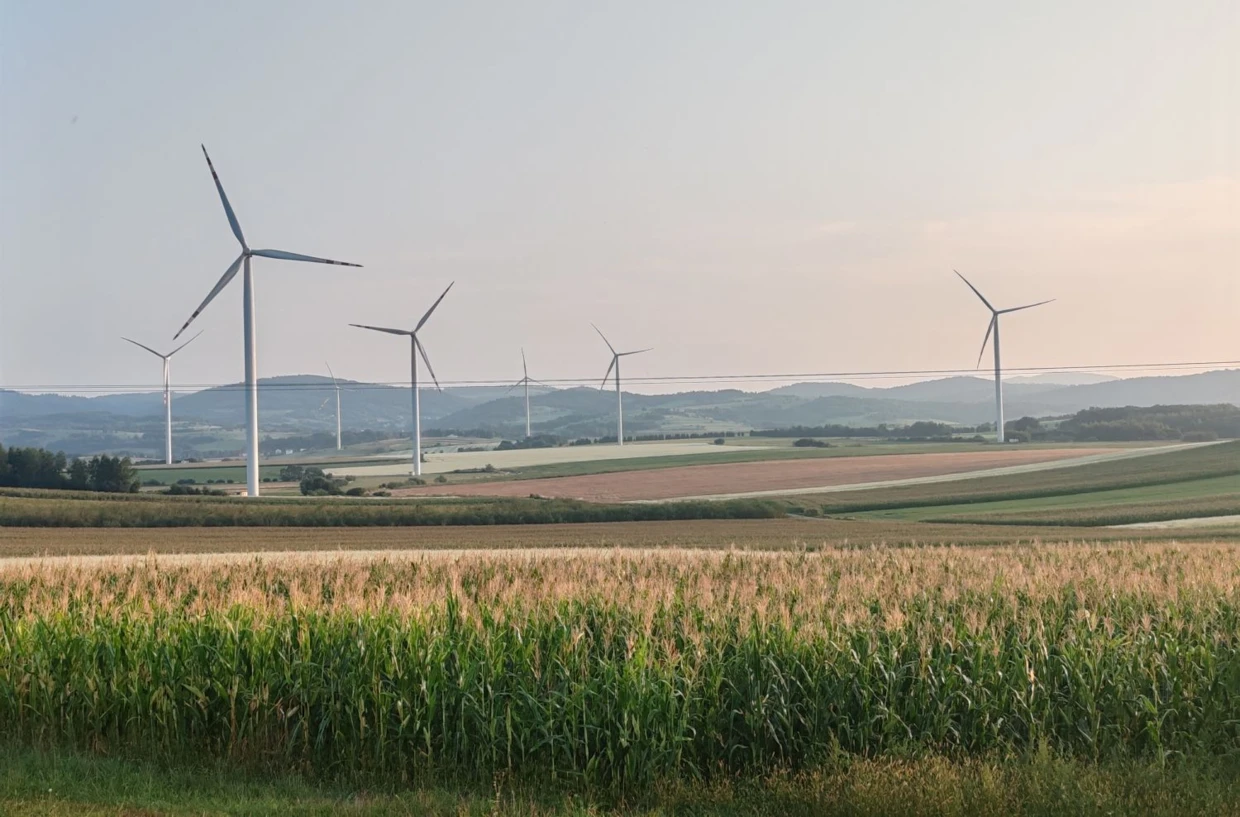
{"x":729,"y":478}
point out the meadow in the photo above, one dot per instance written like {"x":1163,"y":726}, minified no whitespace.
{"x":621,"y":674}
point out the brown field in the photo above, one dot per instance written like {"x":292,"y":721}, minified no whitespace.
{"x":742,"y":534}
{"x":726,"y":478}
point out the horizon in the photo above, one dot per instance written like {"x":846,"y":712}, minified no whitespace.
{"x":716,"y":386}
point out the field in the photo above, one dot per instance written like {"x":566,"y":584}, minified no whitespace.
{"x":1058,"y":673}
{"x":699,"y":481}
{"x":1215,"y":496}
{"x":791,"y":534}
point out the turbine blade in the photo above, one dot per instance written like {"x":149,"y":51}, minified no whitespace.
{"x":638,"y":352}
{"x":292,"y":256}
{"x":186,"y":343}
{"x":990,"y":328}
{"x":144,"y":346}
{"x":524,"y":368}
{"x":976,"y":292}
{"x":223,"y":282}
{"x":426,"y":360}
{"x":614,"y":357}
{"x":382,"y":329}
{"x":228,"y":211}
{"x":432,"y":309}
{"x":1026,"y":306}
{"x":324,"y":403}
{"x":330,"y":372}
{"x":605,"y":340}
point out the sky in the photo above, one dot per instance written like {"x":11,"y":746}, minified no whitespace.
{"x":748,"y":188}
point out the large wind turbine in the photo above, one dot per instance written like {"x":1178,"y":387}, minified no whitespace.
{"x":336,"y":387}
{"x":615,"y":364}
{"x":525,"y":381}
{"x":167,"y":391}
{"x":251,"y":343}
{"x":994,"y":327}
{"x":415,"y":349}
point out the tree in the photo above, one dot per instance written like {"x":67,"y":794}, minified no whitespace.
{"x":79,"y":475}
{"x":113,"y":475}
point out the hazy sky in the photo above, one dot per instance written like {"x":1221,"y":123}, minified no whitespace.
{"x":748,"y":187}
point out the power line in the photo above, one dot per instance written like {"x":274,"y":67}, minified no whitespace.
{"x":140,"y":388}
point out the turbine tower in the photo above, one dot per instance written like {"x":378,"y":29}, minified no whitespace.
{"x":994,"y":327}
{"x":415,"y":349}
{"x":525,"y":381}
{"x":167,"y":391}
{"x":251,"y":343}
{"x":615,"y":364}
{"x":336,"y":387}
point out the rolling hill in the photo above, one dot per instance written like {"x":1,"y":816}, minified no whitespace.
{"x":300,"y":403}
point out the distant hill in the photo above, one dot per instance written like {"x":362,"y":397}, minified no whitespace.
{"x":300,"y":404}
{"x":1060,"y":379}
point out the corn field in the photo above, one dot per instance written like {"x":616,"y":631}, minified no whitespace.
{"x":621,"y":669}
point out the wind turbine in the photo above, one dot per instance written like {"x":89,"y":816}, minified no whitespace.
{"x":994,"y":327}
{"x":251,"y":343}
{"x":415,"y":349}
{"x":167,"y":391}
{"x":336,"y":387}
{"x":525,"y":381}
{"x":615,"y":364}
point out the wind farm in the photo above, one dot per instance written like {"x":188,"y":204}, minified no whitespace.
{"x":802,"y":549}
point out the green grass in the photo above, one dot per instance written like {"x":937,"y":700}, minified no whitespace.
{"x":1149,"y":470}
{"x":59,"y":784}
{"x":1215,"y":496}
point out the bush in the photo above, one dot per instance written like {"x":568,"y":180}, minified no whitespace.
{"x":717,"y":441}
{"x":809,"y":442}
{"x":441,"y":479}
{"x":355,"y":492}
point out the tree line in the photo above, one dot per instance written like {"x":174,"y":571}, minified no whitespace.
{"x":920,"y":430}
{"x":40,"y":468}
{"x":1199,"y":423}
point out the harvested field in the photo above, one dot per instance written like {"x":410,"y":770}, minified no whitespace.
{"x":728,"y":478}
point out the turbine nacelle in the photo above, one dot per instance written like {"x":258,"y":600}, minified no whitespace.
{"x":246,"y":252}
{"x":994,"y":314}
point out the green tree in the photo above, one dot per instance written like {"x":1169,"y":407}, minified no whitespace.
{"x":79,"y":475}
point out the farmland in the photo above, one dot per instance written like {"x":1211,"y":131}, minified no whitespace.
{"x":758,"y":476}
{"x":635,"y":675}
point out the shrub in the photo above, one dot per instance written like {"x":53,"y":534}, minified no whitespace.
{"x":809,"y":442}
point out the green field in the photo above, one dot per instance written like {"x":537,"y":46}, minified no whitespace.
{"x":1214,"y":496}
{"x":1062,"y":678}
{"x":71,"y":784}
{"x":1157,"y":471}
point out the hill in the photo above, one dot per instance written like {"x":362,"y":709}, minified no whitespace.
{"x":209,"y":420}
